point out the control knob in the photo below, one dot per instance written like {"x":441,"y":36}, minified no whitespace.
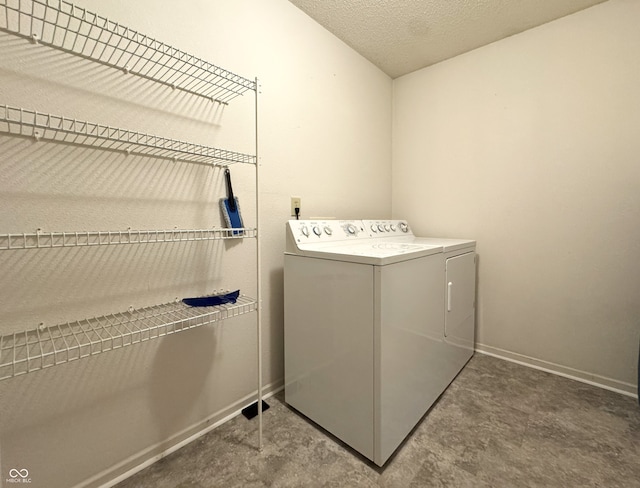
{"x":316,"y":230}
{"x":305,"y":230}
{"x":404,"y":227}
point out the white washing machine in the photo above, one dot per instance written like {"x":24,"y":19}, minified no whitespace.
{"x":365,"y":352}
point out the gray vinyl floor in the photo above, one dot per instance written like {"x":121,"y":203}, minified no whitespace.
{"x":498,"y":425}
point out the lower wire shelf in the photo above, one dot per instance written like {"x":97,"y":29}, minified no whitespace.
{"x":43,"y":347}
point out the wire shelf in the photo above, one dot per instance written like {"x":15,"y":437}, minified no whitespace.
{"x":47,"y":240}
{"x":64,"y":26}
{"x":29,"y":123}
{"x":40,"y":348}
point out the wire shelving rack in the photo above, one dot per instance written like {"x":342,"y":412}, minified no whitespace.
{"x":64,"y":26}
{"x":30,"y":123}
{"x":49,"y":240}
{"x":43,"y":347}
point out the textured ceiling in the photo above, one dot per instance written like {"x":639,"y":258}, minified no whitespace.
{"x":401,"y":36}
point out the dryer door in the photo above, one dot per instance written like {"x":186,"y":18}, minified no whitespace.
{"x":460,"y":292}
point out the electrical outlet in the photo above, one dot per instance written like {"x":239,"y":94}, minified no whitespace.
{"x":295,"y":203}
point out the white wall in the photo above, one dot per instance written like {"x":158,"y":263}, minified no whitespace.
{"x":325,"y":121}
{"x":530,"y":145}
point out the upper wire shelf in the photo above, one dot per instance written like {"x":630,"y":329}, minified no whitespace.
{"x":48,"y":240}
{"x":43,"y":347}
{"x":30,"y":123}
{"x":64,"y":26}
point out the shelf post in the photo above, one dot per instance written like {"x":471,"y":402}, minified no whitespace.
{"x":259,"y":274}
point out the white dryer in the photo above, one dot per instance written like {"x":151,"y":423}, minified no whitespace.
{"x":365,"y":355}
{"x":459,"y":260}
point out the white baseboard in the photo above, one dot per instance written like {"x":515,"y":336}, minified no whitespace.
{"x":622,"y":387}
{"x":145,"y":458}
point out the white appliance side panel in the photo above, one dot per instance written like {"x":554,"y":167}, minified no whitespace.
{"x":460,"y":289}
{"x":411,"y":359}
{"x":328,"y":333}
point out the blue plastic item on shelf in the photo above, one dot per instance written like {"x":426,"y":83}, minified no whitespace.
{"x":212,"y":300}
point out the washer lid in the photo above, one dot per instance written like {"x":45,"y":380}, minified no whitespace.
{"x":372,"y":251}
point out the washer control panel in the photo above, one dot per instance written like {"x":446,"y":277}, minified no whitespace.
{"x":315,"y":231}
{"x":303,"y":233}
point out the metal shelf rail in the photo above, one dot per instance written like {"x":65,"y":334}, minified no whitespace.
{"x":43,"y":347}
{"x":29,"y":123}
{"x":48,"y":240}
{"x":64,"y":26}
